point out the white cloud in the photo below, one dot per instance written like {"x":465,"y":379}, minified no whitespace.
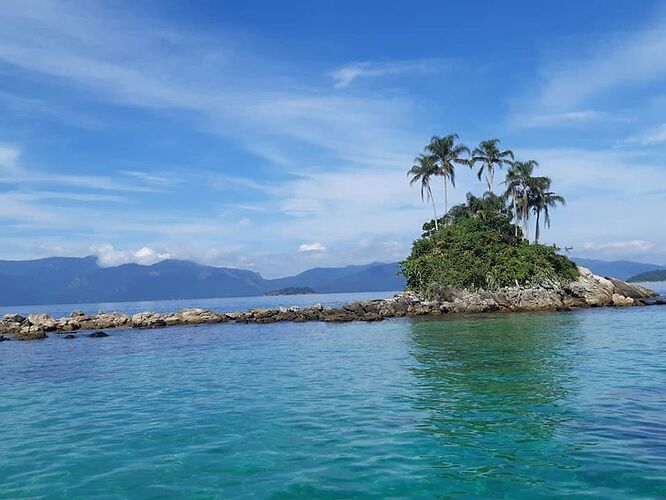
{"x":312,"y":247}
{"x":651,"y":137}
{"x":108,"y":256}
{"x":345,"y":75}
{"x":621,"y":247}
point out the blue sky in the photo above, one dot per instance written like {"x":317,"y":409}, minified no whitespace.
{"x":275,"y":136}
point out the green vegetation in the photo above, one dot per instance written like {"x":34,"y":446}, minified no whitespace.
{"x":482,"y":243}
{"x":656,"y":275}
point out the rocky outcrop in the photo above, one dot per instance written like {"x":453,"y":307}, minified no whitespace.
{"x":588,"y":290}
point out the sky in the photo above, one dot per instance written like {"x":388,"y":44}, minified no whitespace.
{"x":276,"y":136}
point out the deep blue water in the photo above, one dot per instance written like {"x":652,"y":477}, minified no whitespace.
{"x":569,"y":404}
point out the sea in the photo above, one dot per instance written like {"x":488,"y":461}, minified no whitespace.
{"x":522,"y":405}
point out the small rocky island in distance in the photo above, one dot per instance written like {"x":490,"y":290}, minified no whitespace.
{"x":291,"y":290}
{"x":477,"y":258}
{"x":649,"y":276}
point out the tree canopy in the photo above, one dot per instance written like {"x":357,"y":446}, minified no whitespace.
{"x":484,"y":242}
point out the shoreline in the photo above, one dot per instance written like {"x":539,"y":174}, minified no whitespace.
{"x":587,"y":291}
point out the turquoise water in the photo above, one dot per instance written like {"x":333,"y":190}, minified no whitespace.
{"x":493,"y":406}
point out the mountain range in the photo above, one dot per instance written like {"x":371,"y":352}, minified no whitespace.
{"x":620,"y":269}
{"x":72,"y":280}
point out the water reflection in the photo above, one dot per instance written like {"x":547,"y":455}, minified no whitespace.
{"x":495,"y":390}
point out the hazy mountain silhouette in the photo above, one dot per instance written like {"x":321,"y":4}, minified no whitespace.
{"x":71,"y":280}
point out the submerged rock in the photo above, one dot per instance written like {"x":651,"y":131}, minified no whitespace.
{"x":69,"y":336}
{"x":96,"y":335}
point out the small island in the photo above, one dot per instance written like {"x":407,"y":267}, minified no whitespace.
{"x":649,"y":276}
{"x":291,"y":290}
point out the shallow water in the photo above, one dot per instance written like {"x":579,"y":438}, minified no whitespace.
{"x":509,"y":405}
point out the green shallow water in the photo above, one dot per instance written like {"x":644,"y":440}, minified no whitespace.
{"x":499,"y":406}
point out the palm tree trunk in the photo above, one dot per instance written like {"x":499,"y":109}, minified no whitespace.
{"x":489,"y":178}
{"x":446,"y":197}
{"x":434,"y":208}
{"x":536,"y":236}
{"x":515,"y":214}
{"x":526,"y":215}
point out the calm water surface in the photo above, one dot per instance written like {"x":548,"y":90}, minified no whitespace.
{"x":492,"y":406}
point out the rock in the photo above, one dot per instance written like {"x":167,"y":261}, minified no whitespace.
{"x":200,"y":316}
{"x":69,"y":336}
{"x":594,"y":290}
{"x":77,"y":314}
{"x":106,"y":320}
{"x":622,"y":301}
{"x":67,"y":325}
{"x":97,"y":335}
{"x":654,"y":301}
{"x":314,"y":313}
{"x":30,"y":332}
{"x":4,"y":339}
{"x":355,"y":308}
{"x":630,"y":290}
{"x":13,"y":318}
{"x":262,"y":315}
{"x":371,"y":316}
{"x":148,"y":320}
{"x":42,"y":321}
{"x":336,"y":315}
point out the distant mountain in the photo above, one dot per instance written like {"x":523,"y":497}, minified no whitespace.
{"x":650,"y":276}
{"x":373,"y":277}
{"x":620,"y":269}
{"x":71,"y":280}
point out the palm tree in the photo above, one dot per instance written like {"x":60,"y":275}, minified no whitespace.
{"x":518,"y":181}
{"x":448,"y":155}
{"x":425,"y":166}
{"x":489,"y":156}
{"x":542,"y":199}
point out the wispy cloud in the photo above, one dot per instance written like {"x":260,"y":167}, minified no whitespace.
{"x":18,"y":174}
{"x":626,"y":60}
{"x":560,"y":119}
{"x":80,"y":48}
{"x":150,"y":178}
{"x":650,"y":137}
{"x":346,"y":75}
